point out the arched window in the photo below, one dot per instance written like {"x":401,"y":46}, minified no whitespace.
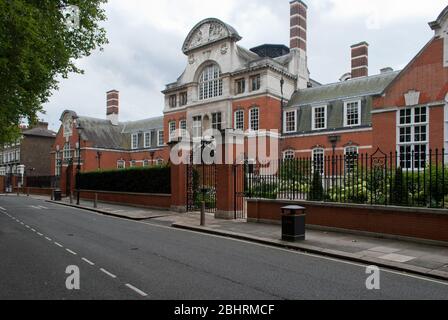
{"x":318,"y":160}
{"x":210,"y":82}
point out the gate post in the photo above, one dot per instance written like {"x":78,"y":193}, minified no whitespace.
{"x":225,"y":192}
{"x":178,"y":184}
{"x":225,"y":189}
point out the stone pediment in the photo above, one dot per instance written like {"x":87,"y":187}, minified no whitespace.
{"x":208,"y":31}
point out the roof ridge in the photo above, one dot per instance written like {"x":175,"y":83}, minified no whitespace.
{"x":352,"y":80}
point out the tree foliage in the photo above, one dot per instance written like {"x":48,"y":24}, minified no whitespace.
{"x":36,"y":49}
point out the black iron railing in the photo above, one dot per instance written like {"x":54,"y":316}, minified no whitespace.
{"x":413,"y":179}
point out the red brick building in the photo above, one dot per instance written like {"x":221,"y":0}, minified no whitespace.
{"x":105,"y":143}
{"x":225,"y":86}
{"x":400,"y":112}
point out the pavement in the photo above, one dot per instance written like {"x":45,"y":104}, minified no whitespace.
{"x":138,"y":260}
{"x":413,"y":257}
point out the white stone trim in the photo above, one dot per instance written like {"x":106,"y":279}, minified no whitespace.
{"x":315,"y":134}
{"x":361,"y":67}
{"x":361,"y":56}
{"x":337,"y":149}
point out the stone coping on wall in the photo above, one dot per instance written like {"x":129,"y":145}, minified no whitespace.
{"x":443,"y":212}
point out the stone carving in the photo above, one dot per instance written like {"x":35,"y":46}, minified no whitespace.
{"x":224,"y":48}
{"x":412,"y":98}
{"x":68,"y":125}
{"x":191,"y":59}
{"x":207,"y":33}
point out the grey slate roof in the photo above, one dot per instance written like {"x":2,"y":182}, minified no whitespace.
{"x":102,"y":133}
{"x":365,"y":86}
{"x":40,"y":132}
{"x":143,"y":125}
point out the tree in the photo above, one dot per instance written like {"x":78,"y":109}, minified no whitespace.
{"x":37,"y":47}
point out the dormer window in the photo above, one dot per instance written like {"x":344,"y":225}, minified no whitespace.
{"x":210,"y":82}
{"x":352,"y":114}
{"x":134,"y":141}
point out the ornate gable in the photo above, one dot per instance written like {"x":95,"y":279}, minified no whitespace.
{"x":208,"y":31}
{"x":440,"y":27}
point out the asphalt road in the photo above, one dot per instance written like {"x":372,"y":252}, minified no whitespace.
{"x":121,"y":259}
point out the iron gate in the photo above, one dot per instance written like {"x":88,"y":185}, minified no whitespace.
{"x":201,"y":186}
{"x":239,"y":188}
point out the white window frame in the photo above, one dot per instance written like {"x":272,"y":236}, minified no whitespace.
{"x":67,"y":151}
{"x":210,"y":82}
{"x":258,"y":119}
{"x":183,"y":128}
{"x":172,"y":130}
{"x":160,"y":143}
{"x":197,"y":127}
{"x":313,"y":117}
{"x":217,"y":125}
{"x":237,"y":112}
{"x":346,"y":104}
{"x":123,"y":164}
{"x":146,"y":134}
{"x":346,"y":162}
{"x":134,"y":141}
{"x":314,"y":153}
{"x":289,"y":152}
{"x":285,"y":121}
{"x":412,"y":143}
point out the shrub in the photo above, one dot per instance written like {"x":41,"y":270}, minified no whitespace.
{"x":316,"y":189}
{"x":136,"y":180}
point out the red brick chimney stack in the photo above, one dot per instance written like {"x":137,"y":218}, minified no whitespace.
{"x":113,"y":106}
{"x":298,"y":25}
{"x":360,"y":60}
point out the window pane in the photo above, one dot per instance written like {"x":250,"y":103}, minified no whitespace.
{"x":320,"y":118}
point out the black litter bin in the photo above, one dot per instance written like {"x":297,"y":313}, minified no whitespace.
{"x":293,"y":223}
{"x":57,"y":195}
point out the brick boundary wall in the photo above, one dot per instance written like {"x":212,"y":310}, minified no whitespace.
{"x":146,"y":200}
{"x":34,"y":191}
{"x":417,"y":223}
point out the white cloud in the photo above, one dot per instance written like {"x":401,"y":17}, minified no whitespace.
{"x":378,"y":14}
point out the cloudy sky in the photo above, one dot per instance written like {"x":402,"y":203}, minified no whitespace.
{"x":146,"y":37}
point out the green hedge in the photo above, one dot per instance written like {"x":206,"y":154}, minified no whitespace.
{"x":135,"y":180}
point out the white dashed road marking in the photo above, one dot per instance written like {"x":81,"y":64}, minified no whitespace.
{"x":72,"y":252}
{"x":133,"y":288}
{"x":140,"y":292}
{"x":89,"y":262}
{"x":108,"y":273}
